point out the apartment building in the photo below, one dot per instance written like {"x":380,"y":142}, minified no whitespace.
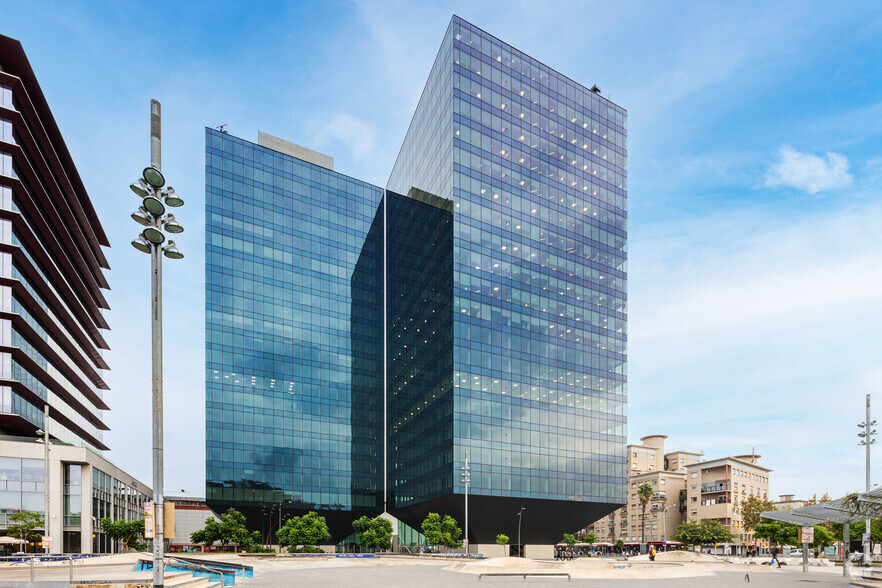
{"x":685,"y":487}
{"x":716,"y":488}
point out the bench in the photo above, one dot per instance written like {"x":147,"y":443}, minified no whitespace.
{"x":524,"y":574}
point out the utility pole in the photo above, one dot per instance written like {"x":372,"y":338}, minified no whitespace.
{"x":866,"y":437}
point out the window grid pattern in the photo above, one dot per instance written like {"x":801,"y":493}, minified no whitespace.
{"x":282,"y":240}
{"x":539,"y":268}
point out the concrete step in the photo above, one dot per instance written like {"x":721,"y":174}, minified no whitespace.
{"x":190,"y":581}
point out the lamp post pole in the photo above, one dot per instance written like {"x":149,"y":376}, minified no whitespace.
{"x":152,"y":215}
{"x":465,"y":480}
{"x":520,"y":517}
{"x":46,"y":474}
{"x":866,"y":437}
{"x":665,"y":524}
{"x":156,"y":322}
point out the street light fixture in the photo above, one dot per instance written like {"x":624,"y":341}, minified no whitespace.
{"x":171,"y":198}
{"x":142,"y":217}
{"x":171,"y":251}
{"x":150,"y":215}
{"x":153,"y":176}
{"x":866,"y":437}
{"x":141,"y":188}
{"x":520,"y":547}
{"x":171,"y":225}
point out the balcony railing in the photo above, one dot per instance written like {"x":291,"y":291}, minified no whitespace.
{"x":714,"y":487}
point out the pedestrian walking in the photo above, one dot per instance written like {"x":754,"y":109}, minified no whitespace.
{"x":652,"y":553}
{"x":775,"y":556}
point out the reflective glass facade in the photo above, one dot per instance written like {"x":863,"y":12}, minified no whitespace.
{"x":537,"y":174}
{"x":282,"y":241}
{"x":478,"y":305}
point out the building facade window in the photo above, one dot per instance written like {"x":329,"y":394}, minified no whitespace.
{"x":73,"y":498}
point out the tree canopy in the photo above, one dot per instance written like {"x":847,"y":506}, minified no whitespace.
{"x":308,"y":530}
{"x":22,"y":525}
{"x":501,"y":539}
{"x":375,"y":532}
{"x":702,"y":532}
{"x":441,"y":531}
{"x":230,"y":529}
{"x":131,"y":533}
{"x":777,"y":532}
{"x":569,"y":539}
{"x":751,"y":509}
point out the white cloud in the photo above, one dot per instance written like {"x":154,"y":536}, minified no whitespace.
{"x":357,"y":135}
{"x":757,"y":328}
{"x":807,"y":172}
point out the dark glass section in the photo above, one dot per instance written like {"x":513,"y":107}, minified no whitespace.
{"x":419,"y":266}
{"x":367,"y":371}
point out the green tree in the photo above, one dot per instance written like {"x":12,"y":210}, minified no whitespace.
{"x":375,"y":533}
{"x":569,"y":539}
{"x":441,"y":531}
{"x":501,"y":539}
{"x":777,"y":532}
{"x":620,"y":543}
{"x":751,"y":509}
{"x":130,"y":533}
{"x":644,"y":493}
{"x":590,"y":539}
{"x":209,"y":534}
{"x":230,"y":529}
{"x":308,"y":531}
{"x":22,"y":525}
{"x":703,"y":532}
{"x":233,"y":529}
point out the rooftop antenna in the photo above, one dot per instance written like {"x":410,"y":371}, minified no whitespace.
{"x":222,"y":128}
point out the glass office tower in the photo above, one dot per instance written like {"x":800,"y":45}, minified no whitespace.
{"x":535,"y":165}
{"x":360,"y":341}
{"x":283,"y":237}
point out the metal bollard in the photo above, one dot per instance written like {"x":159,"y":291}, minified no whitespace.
{"x":32,"y":568}
{"x":70,"y":564}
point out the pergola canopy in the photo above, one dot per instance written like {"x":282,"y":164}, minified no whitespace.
{"x":869,"y":506}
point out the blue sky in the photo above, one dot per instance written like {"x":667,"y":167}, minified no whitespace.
{"x":755,"y":169}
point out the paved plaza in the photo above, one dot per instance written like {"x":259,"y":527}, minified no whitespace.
{"x":389,"y":572}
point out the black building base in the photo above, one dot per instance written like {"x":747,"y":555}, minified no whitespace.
{"x":543,"y":521}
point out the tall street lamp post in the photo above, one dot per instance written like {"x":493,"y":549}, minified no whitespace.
{"x":47,"y":537}
{"x":665,"y":524}
{"x":465,"y":478}
{"x":152,"y":216}
{"x":520,"y":516}
{"x":866,"y":437}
